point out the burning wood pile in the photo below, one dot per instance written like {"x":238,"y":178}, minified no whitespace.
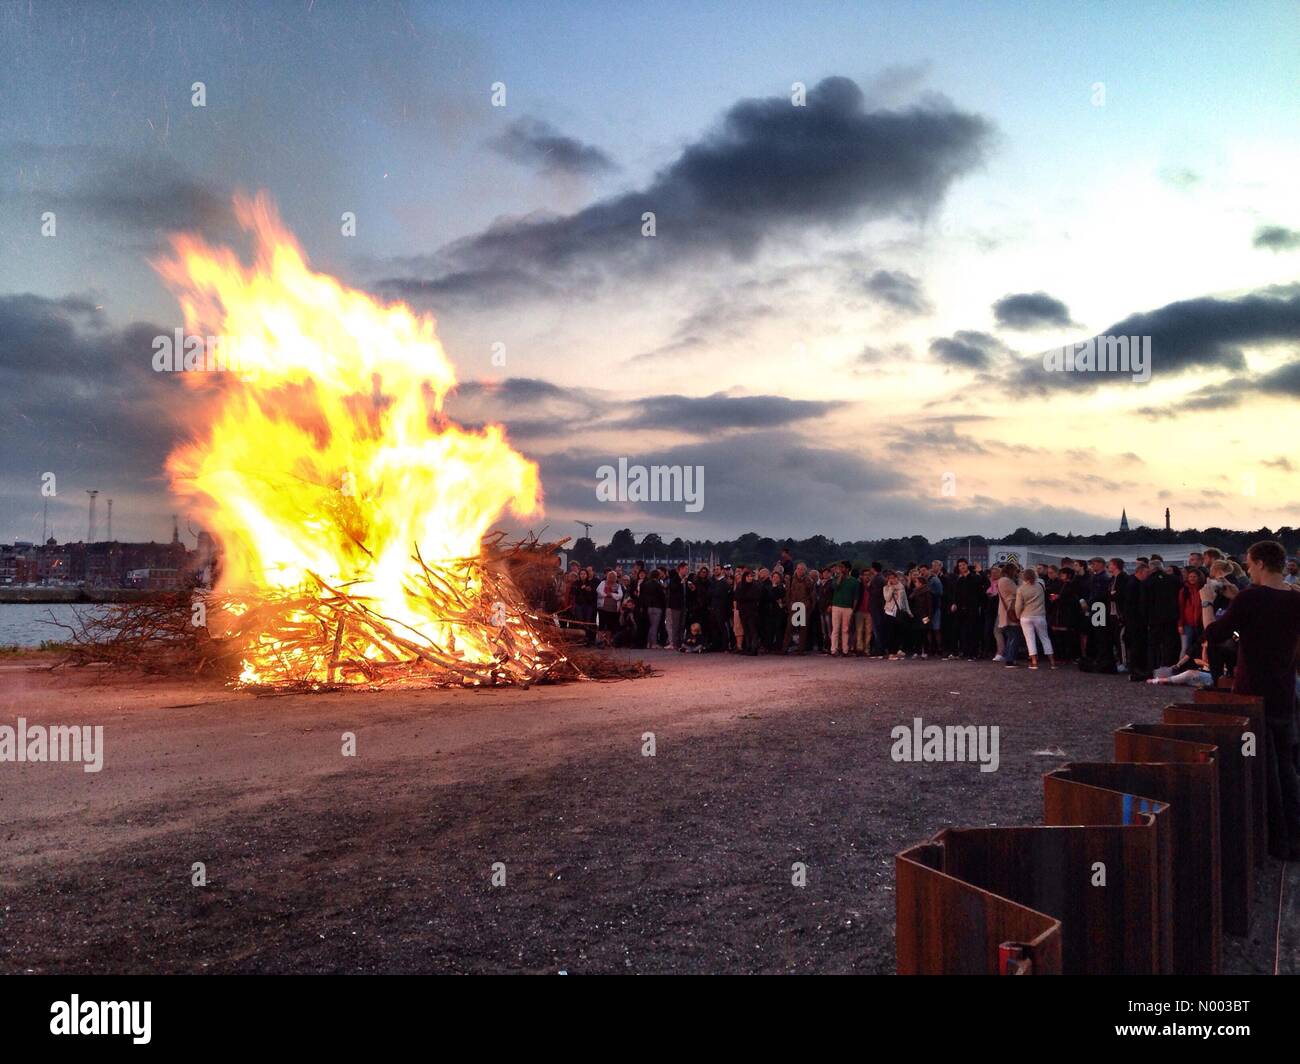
{"x":352,"y":512}
{"x":325,"y":637}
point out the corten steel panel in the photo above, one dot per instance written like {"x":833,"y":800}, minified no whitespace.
{"x":1050,"y":871}
{"x":1132,"y":913}
{"x":1236,"y":804}
{"x":1251,"y":706}
{"x":945,"y":926}
{"x":1188,"y":789}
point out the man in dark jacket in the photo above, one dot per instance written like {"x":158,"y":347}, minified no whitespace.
{"x":876,"y":604}
{"x":720,"y":610}
{"x":1160,"y":598}
{"x":676,"y":605}
{"x":1100,"y":625}
{"x":1133,"y":609}
{"x":967,"y":609}
{"x":1115,"y":610}
{"x":652,"y":598}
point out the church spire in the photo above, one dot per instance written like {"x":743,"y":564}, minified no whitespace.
{"x":1123,"y":521}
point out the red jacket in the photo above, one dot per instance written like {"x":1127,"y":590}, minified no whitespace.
{"x":1189,"y":607}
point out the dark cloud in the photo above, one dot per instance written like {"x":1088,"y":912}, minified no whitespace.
{"x":967,"y":349}
{"x":1206,"y":333}
{"x":528,"y":402}
{"x":79,"y":398}
{"x":1280,"y":462}
{"x":713,"y":413}
{"x":769,"y":168}
{"x":142,"y":193}
{"x":1276,"y":238}
{"x":900,"y":291}
{"x":1031,"y":310}
{"x":536,"y":143}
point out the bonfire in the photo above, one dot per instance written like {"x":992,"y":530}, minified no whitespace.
{"x":350,"y":510}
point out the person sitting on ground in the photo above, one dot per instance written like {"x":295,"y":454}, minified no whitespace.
{"x":694,"y":641}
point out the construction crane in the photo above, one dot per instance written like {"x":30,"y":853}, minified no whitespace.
{"x":586,"y":528}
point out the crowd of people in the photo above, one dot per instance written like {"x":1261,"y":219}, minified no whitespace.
{"x":1093,"y":612}
{"x":1160,"y":622}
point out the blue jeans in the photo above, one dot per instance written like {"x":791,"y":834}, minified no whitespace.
{"x":1010,"y":642}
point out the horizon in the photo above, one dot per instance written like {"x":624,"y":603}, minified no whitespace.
{"x":877,"y":228}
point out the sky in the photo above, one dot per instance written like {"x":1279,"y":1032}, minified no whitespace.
{"x":871,"y":223}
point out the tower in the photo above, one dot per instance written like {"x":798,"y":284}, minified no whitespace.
{"x":90,"y":529}
{"x":1123,"y":521}
{"x":1166,"y":518}
{"x":176,"y":530}
{"x":110,"y":520}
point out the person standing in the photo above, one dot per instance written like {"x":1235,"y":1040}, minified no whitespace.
{"x":844,"y":597}
{"x":609,"y":598}
{"x":720,"y":610}
{"x":1265,"y":619}
{"x":1189,"y":612}
{"x":862,"y":626}
{"x":920,"y":603}
{"x":967,"y":609}
{"x":876,"y":606}
{"x":652,"y":600}
{"x":1161,"y":591}
{"x":897,"y":615}
{"x":800,"y":610}
{"x":747,"y":607}
{"x":1115,"y":615}
{"x":1101,"y":627}
{"x":1031,"y":608}
{"x":1008,"y":622}
{"x":676,"y":605}
{"x":771,"y":610}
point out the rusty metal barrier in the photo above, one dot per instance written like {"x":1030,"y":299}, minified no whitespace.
{"x":1251,"y":707}
{"x":948,"y":926}
{"x":1237,"y":769}
{"x":1123,"y":906}
{"x":1175,"y":824}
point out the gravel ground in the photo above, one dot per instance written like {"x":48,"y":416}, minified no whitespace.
{"x":614,"y":861}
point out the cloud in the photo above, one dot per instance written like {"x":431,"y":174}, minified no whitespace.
{"x":898,"y":290}
{"x":79,"y":398}
{"x":1276,"y":238}
{"x":713,"y":413}
{"x":529,"y":402}
{"x":1206,"y":333}
{"x":768,"y":169}
{"x":1031,"y":310}
{"x":1280,"y":462}
{"x":535,"y":142}
{"x":136,"y":192}
{"x":933,"y":437}
{"x":967,"y":349}
{"x":722,"y":318}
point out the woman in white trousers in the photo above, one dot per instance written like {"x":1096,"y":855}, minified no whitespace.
{"x":1031,"y":608}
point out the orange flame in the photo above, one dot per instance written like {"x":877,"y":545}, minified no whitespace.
{"x":327,"y":452}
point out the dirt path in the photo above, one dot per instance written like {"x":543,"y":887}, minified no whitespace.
{"x":614,"y":861}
